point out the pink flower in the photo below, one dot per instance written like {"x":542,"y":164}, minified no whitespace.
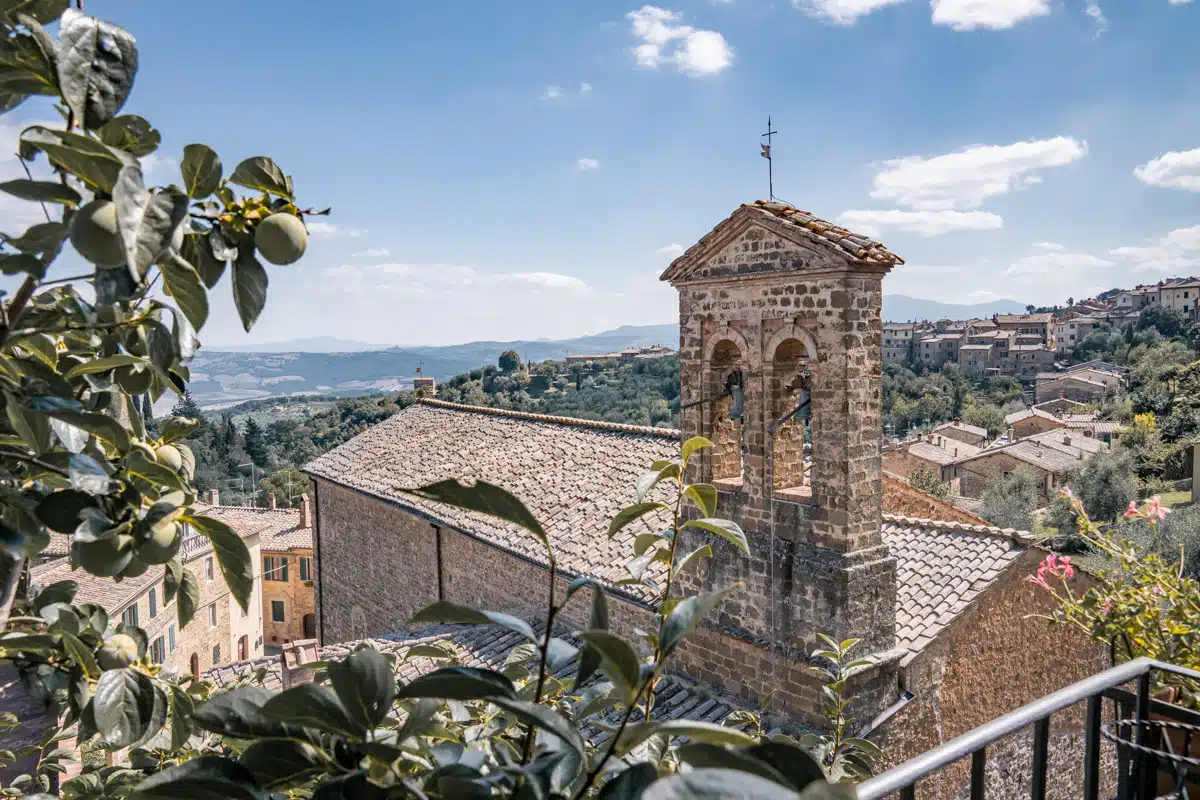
{"x":1038,"y":580}
{"x":1056,"y":566}
{"x":1066,"y":492}
{"x":1065,"y":565}
{"x":1133,"y":510}
{"x":1158,"y":590}
{"x":1157,"y":510}
{"x":1107,"y":607}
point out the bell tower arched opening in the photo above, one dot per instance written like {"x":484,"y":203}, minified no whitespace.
{"x":789,"y":408}
{"x":726,"y":414}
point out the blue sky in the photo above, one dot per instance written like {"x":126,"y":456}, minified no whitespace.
{"x":527,"y":169}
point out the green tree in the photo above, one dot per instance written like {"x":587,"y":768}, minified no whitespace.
{"x":287,"y":485}
{"x":928,"y":481}
{"x":1167,"y":321}
{"x":510,"y":361}
{"x":187,"y":406}
{"x":147,"y":410}
{"x":1010,"y":499}
{"x":256,"y":448}
{"x":988,"y":416}
{"x":1104,"y":483}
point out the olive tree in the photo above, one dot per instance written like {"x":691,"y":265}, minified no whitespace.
{"x":79,"y":356}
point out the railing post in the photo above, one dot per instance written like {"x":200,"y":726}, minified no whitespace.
{"x":978,"y":767}
{"x":1041,"y":749}
{"x":1091,"y":753}
{"x":1144,"y":767}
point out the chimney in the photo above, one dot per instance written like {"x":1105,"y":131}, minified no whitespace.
{"x":303,"y":512}
{"x":956,"y":452}
{"x":1067,"y":439}
{"x":214,"y":497}
{"x":271,"y":500}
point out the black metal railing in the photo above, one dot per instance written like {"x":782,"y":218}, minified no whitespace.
{"x":1139,"y":760}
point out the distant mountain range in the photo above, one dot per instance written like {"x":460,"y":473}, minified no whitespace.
{"x":902,"y":308}
{"x":342,"y":367}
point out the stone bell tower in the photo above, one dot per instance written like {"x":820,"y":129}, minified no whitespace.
{"x":781,"y":367}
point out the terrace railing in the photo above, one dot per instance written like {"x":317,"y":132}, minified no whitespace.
{"x":1143,"y":751}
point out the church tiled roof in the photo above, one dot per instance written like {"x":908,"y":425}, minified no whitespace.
{"x":574,"y":476}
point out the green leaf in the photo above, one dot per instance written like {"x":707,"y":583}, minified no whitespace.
{"x":44,"y":11}
{"x":703,"y":551}
{"x":705,"y":732}
{"x":101,"y":426}
{"x":90,"y":160}
{"x":232,"y":555}
{"x":686,"y":614}
{"x":651,"y":479}
{"x":153,"y":473}
{"x":711,"y":784}
{"x":22,"y":264}
{"x":60,"y":511}
{"x":312,"y":705}
{"x":282,"y":764}
{"x":239,"y":714}
{"x":459,"y":683}
{"x":249,"y":287}
{"x":131,"y":133}
{"x":81,"y":654}
{"x":630,"y":783}
{"x":147,"y":222}
{"x":726,"y":529}
{"x":545,"y":718}
{"x":618,"y":660}
{"x":97,"y":62}
{"x":172,"y":429}
{"x":60,"y":592}
{"x":182,"y":707}
{"x":105,"y":364}
{"x":430,"y":651}
{"x":484,"y":498}
{"x":197,"y":252}
{"x":632,"y":513}
{"x":692,"y":445}
{"x":445,"y":612}
{"x":41,"y":191}
{"x":188,"y":596}
{"x":263,"y":174}
{"x":700,"y":755}
{"x":201,"y":168}
{"x":44,"y":239}
{"x":201,"y":778}
{"x":184,"y":285}
{"x":172,"y":576}
{"x":704,"y":495}
{"x":364,"y":684}
{"x":124,"y":706}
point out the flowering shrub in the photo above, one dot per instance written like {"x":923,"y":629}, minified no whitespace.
{"x":1141,"y":605}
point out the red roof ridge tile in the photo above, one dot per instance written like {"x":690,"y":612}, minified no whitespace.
{"x":616,"y":427}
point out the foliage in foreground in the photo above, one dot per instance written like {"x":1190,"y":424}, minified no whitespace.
{"x":1141,"y":604}
{"x":76,"y":457}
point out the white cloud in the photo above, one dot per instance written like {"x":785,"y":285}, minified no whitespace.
{"x":663,"y":40}
{"x":1180,"y":2}
{"x":552,"y":93}
{"x":585,"y":88}
{"x":842,"y":12}
{"x":870,"y":222}
{"x":1043,"y":265}
{"x":327,"y":230}
{"x":1093,"y":10}
{"x":1174,"y":170}
{"x":1178,"y":251}
{"x":964,"y":179}
{"x":587,"y":164}
{"x":966,"y":15}
{"x":160,"y":169}
{"x":427,"y":279}
{"x":673,"y":250}
{"x":1052,"y":246}
{"x":372,"y":252}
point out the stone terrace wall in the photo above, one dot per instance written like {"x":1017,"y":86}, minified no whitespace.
{"x":903,"y":500}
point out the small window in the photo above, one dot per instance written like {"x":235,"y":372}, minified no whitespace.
{"x":153,"y":602}
{"x":208,"y":569}
{"x":171,"y":637}
{"x":305,"y":568}
{"x":216,"y":654}
{"x":130,"y":616}
{"x":212,"y":615}
{"x":277,"y":611}
{"x":158,"y":651}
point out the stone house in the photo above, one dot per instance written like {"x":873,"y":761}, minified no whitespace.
{"x":1047,"y":456}
{"x":939,"y":348}
{"x":1023,"y":424}
{"x":288,"y":574}
{"x":933,"y":451}
{"x":785,"y":307}
{"x":899,"y":342}
{"x":1086,"y":385}
{"x":219,"y":633}
{"x":962,"y":432}
{"x":977,"y":359}
{"x":1068,"y":333}
{"x":1041,"y":325}
{"x":1026,"y":361}
{"x":1182,"y":295}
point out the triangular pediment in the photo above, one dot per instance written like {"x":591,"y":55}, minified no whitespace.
{"x":763,"y":239}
